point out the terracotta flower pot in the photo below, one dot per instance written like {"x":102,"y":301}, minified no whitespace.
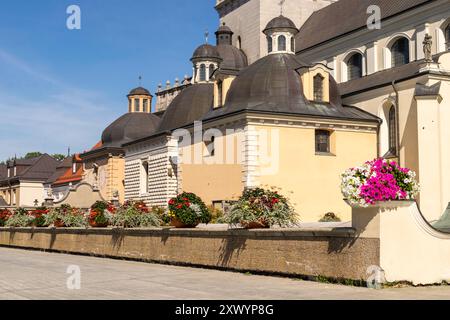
{"x":260,"y":224}
{"x":94,"y":224}
{"x":174,"y":222}
{"x":58,"y":224}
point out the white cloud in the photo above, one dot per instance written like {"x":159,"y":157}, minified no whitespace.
{"x":67,"y":116}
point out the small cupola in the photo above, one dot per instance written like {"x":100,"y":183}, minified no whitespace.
{"x":224,"y":35}
{"x":140,"y":100}
{"x":280,"y":33}
{"x":206,"y":59}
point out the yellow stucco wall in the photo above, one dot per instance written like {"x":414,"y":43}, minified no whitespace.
{"x":110,"y":176}
{"x":314,"y":180}
{"x":215,"y":178}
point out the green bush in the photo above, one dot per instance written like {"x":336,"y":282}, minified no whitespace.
{"x":189,"y":209}
{"x":265,"y":207}
{"x":330,"y":217}
{"x":135,"y":215}
{"x":20,"y":219}
{"x":70,"y":217}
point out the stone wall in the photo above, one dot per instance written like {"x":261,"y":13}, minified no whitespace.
{"x":332,"y":253}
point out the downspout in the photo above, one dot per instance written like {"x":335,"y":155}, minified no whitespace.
{"x":397,"y":120}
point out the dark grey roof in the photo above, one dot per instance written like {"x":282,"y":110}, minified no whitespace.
{"x":273,"y":85}
{"x":61,"y":169}
{"x":205,"y":51}
{"x":232,"y":57}
{"x":224,"y":29}
{"x":379,"y":79}
{"x":129,"y":127}
{"x":281,"y":23}
{"x":139,"y":91}
{"x":424,"y":90}
{"x":3,"y":171}
{"x":40,"y":168}
{"x":189,"y":106}
{"x":345,"y":16}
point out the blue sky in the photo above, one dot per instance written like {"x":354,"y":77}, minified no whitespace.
{"x":61,"y":88}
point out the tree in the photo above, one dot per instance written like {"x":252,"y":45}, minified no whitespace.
{"x":58,"y":156}
{"x":34,"y":154}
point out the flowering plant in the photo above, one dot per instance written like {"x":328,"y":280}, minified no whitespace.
{"x":101,"y":214}
{"x":188,"y":209}
{"x":65,"y":216}
{"x":378,"y":180}
{"x":19,"y":219}
{"x":4,"y":216}
{"x":39,"y":217}
{"x":261,"y":208}
{"x":135,"y":215}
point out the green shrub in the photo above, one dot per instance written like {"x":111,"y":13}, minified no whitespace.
{"x":66,"y":215}
{"x":20,"y":219}
{"x":216,"y":214}
{"x":135,"y":215}
{"x":330,"y":217}
{"x":189,"y":209}
{"x":265,"y":207}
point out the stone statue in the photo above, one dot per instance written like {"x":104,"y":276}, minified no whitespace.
{"x":427,"y":43}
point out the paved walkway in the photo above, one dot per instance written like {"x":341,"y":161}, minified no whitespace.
{"x":37,"y":275}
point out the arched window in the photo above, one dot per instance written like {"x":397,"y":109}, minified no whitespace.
{"x":355,"y":66}
{"x":211,"y":70}
{"x":202,"y":72}
{"x":136,"y":105}
{"x":392,"y":131}
{"x":292,"y":44}
{"x":400,"y":52}
{"x":281,"y":43}
{"x":145,"y":108}
{"x":447,"y":37}
{"x":318,"y":88}
{"x":269,"y":44}
{"x":220,"y":93}
{"x":322,"y":141}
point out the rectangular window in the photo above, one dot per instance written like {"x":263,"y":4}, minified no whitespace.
{"x":318,"y":88}
{"x":323,"y":141}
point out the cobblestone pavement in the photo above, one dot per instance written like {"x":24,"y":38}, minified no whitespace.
{"x":38,"y":275}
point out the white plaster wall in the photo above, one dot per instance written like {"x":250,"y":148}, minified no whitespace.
{"x":410,"y":249}
{"x":29,"y":192}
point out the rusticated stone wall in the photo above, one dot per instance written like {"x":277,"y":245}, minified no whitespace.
{"x":334,"y":253}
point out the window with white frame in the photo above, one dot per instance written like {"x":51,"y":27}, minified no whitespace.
{"x":202,"y":72}
{"x":281,"y":43}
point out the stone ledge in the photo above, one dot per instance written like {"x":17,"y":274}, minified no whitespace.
{"x":263,"y":233}
{"x":335,"y":254}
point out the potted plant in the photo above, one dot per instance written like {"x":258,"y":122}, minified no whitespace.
{"x":135,"y":215}
{"x":100,"y":214}
{"x":65,"y":216}
{"x":39,"y":217}
{"x":4,"y":216}
{"x":19,"y":219}
{"x":376,"y":181}
{"x":187,"y":210}
{"x":260,"y":209}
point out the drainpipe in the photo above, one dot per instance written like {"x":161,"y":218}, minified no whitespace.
{"x":397,"y":120}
